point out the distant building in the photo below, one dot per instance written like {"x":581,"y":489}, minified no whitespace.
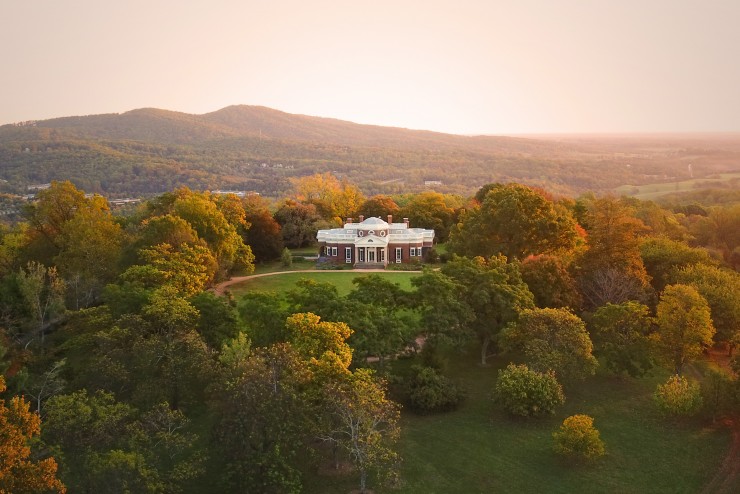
{"x":373,"y":242}
{"x":432,"y":183}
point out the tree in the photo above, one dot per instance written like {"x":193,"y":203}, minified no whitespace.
{"x":553,"y":339}
{"x":264,"y":315}
{"x":264,"y":235}
{"x":218,"y":320}
{"x":612,"y":268}
{"x":721,"y":289}
{"x":265,"y":415}
{"x":373,"y":311}
{"x":528,"y":393}
{"x":663,"y":257}
{"x":90,"y":251}
{"x":18,"y":472}
{"x":299,"y":223}
{"x":43,"y":387}
{"x":188,"y":269}
{"x":430,"y":210}
{"x":364,"y":423}
{"x":494,"y":292}
{"x":678,"y":397}
{"x":379,"y":206}
{"x":333,"y":199}
{"x":516,"y":221}
{"x":43,"y":292}
{"x":621,"y":334}
{"x":321,"y":343}
{"x":578,"y":439}
{"x":684,"y":325}
{"x":550,"y":282}
{"x":431,"y":392}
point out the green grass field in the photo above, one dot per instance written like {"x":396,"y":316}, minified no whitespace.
{"x":478,"y":449}
{"x":342,"y":280}
{"x":653,"y":191}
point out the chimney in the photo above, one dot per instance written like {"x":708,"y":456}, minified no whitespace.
{"x":349,"y":220}
{"x":390,"y":219}
{"x":362,"y":218}
{"x":406,"y":220}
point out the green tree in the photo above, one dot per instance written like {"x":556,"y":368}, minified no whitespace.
{"x":721,"y":289}
{"x":43,"y":292}
{"x":494,"y":292}
{"x":430,"y":210}
{"x":528,"y":393}
{"x":299,"y":223}
{"x":286,"y":258}
{"x":621,"y":335}
{"x":19,"y":473}
{"x":684,"y":325}
{"x":431,"y":392}
{"x":264,"y":415}
{"x":364,"y":424}
{"x":578,"y":439}
{"x":516,"y":221}
{"x":264,"y":316}
{"x":663,"y":257}
{"x":553,"y":339}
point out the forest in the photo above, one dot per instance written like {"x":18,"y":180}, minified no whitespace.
{"x":147,"y":152}
{"x":577,"y":334}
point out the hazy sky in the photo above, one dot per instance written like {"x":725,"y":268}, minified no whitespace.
{"x":495,"y":66}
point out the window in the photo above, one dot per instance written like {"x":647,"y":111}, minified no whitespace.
{"x":399,"y":250}
{"x":348,"y":255}
{"x":327,"y":251}
{"x":334,"y":251}
{"x":412,"y":252}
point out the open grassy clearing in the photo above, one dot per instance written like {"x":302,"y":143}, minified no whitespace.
{"x":341,"y":279}
{"x":479,"y":449}
{"x":652,"y":191}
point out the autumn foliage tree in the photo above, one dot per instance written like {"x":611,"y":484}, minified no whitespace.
{"x":19,"y":474}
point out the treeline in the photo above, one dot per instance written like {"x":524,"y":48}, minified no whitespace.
{"x":144,"y":381}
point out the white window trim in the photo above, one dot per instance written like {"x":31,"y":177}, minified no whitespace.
{"x":399,"y":254}
{"x":348,"y":255}
{"x":334,"y":252}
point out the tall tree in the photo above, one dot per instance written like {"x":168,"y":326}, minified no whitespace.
{"x":379,"y":206}
{"x":264,"y":234}
{"x":430,"y":210}
{"x":493,"y":290}
{"x":43,"y":292}
{"x":516,"y":221}
{"x":364,"y":423}
{"x":612,"y":269}
{"x":684,"y":325}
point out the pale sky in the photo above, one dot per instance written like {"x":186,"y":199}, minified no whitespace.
{"x":459,"y":66}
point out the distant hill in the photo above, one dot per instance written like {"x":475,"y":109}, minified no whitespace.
{"x":148,"y":151}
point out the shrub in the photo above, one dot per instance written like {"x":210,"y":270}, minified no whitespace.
{"x":431,"y":392}
{"x":678,"y":397}
{"x":286,"y":258}
{"x":578,"y":439}
{"x":527,"y":393}
{"x":431,"y":256}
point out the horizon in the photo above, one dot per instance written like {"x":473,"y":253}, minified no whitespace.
{"x":465,"y":68}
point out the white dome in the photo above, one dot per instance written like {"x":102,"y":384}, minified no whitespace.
{"x":374,"y":222}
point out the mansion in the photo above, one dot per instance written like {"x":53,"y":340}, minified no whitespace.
{"x":373,"y":243}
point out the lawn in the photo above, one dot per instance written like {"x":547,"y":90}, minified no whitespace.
{"x":342,"y":280}
{"x":478,"y":449}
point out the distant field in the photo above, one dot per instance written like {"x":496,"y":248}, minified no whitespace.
{"x":342,"y":280}
{"x":653,"y":191}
